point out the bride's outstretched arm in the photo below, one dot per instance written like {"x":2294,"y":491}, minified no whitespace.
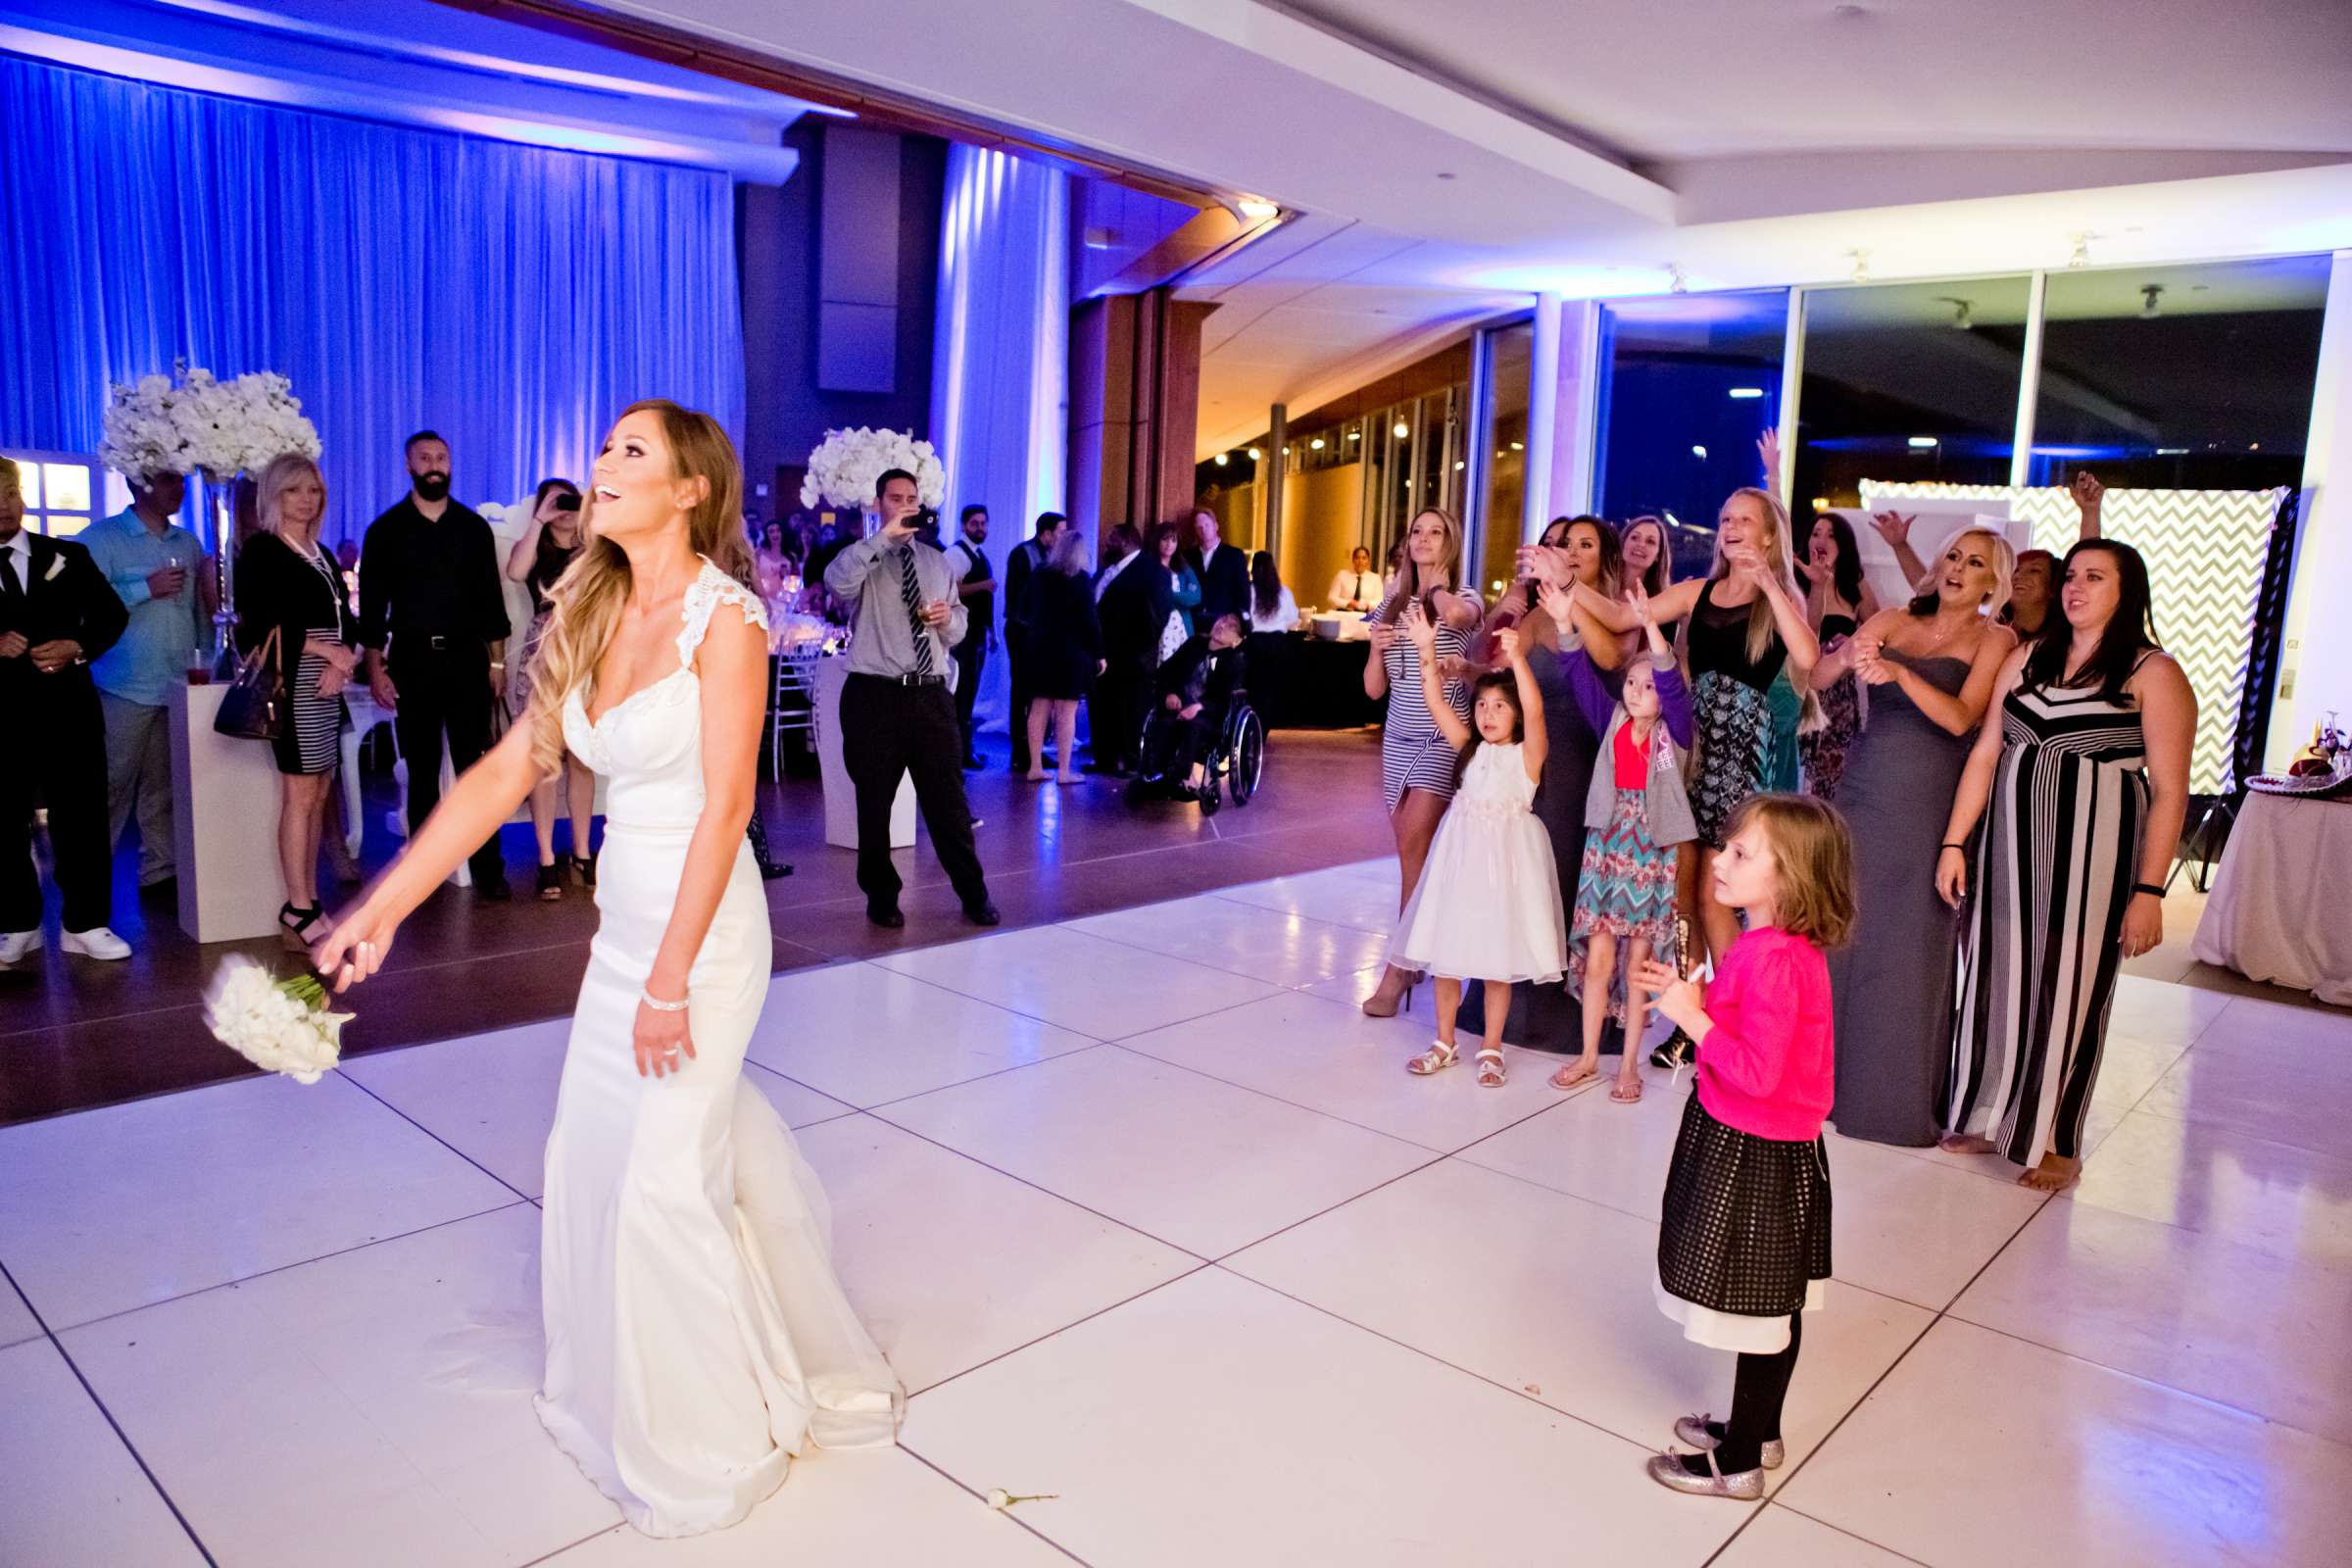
{"x":733,"y":665}
{"x":483,"y":798}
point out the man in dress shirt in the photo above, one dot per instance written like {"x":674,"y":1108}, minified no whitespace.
{"x":1027,"y":557}
{"x":1358,"y":587}
{"x":55,"y":614}
{"x":433,"y":629}
{"x":978,"y":591}
{"x":896,"y":714}
{"x":150,"y":563}
{"x":1224,"y":574}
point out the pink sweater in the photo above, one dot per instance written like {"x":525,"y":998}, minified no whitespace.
{"x":1767,"y":1066}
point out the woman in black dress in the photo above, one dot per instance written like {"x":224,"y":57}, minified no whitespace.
{"x":547,"y":547}
{"x":290,"y":587}
{"x":1064,"y":650}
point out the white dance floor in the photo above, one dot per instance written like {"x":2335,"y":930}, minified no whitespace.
{"x":1148,"y":1215}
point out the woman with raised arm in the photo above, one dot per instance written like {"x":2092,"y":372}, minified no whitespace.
{"x":2072,"y":805}
{"x":546,"y":550}
{"x":1837,"y":604}
{"x":1746,"y":621}
{"x":1417,"y":771}
{"x":696,"y":1337}
{"x":1931,"y":667}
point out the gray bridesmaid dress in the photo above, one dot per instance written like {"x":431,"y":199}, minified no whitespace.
{"x":1890,"y":989}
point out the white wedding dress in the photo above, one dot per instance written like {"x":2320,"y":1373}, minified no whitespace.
{"x":696,"y":1333}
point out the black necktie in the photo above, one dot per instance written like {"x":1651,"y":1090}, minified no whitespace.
{"x":8,"y":583}
{"x":910,"y":589}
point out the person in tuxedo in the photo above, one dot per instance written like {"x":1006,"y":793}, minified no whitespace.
{"x":1132,"y":605}
{"x":978,"y":589}
{"x":57,"y":613}
{"x":1224,"y":571}
{"x":1027,"y":557}
{"x":897,"y":717}
{"x":434,"y":626}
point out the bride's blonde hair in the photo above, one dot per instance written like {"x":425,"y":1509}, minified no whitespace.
{"x":584,"y":604}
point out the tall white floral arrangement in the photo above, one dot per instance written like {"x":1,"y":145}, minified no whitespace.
{"x":843,"y":468}
{"x":159,"y":425}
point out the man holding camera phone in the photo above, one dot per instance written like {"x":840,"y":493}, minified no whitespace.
{"x":897,"y":715}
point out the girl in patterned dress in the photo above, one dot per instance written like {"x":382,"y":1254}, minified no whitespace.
{"x":1837,"y":601}
{"x":2072,"y":802}
{"x":1743,"y":1243}
{"x":1634,"y":814}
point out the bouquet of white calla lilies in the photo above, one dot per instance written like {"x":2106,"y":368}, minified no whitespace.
{"x":278,"y":1025}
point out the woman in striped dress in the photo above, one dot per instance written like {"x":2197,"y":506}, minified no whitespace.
{"x":288,"y":585}
{"x":1418,"y":765}
{"x":2081,"y":790}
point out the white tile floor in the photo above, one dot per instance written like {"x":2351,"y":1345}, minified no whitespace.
{"x":1147,"y":1216}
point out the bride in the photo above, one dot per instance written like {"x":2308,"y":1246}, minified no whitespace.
{"x":696,"y":1334}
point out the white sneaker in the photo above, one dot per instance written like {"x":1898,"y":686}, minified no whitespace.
{"x":96,"y":943}
{"x":16,"y":945}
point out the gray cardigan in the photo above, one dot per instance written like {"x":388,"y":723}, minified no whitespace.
{"x":1666,"y":801}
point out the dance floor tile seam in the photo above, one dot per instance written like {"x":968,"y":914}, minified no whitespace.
{"x":980,"y":1495}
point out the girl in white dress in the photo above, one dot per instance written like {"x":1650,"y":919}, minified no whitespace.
{"x":1487,"y":906}
{"x":696,"y":1336}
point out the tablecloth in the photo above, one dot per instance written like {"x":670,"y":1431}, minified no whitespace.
{"x":2280,"y":909}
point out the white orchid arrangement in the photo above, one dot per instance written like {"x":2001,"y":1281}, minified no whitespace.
{"x":278,"y":1025}
{"x":843,"y":468}
{"x":159,"y":425}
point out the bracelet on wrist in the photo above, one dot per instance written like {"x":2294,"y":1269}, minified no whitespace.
{"x":1962,"y":847}
{"x":660,"y":1006}
{"x":2152,"y":888}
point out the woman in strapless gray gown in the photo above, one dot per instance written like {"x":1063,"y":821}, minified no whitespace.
{"x":1891,"y":987}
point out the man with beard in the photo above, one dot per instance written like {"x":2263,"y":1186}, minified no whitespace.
{"x":433,"y":627}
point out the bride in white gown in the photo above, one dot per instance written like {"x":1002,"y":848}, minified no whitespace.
{"x":696,"y":1334}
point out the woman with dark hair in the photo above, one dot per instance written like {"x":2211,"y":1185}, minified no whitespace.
{"x":1066,"y":652}
{"x":2080,"y":792}
{"x":548,"y":546}
{"x":1182,"y":587}
{"x":1932,"y":664}
{"x":1271,"y":607}
{"x":1836,"y":602}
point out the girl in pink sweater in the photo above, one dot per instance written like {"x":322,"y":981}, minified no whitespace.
{"x":1744,"y":1248}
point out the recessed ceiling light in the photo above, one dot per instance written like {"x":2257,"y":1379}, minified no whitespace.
{"x":1255,"y":454}
{"x":1444,"y":174}
{"x":1402,"y":432}
{"x":1923,"y":442}
{"x":1220,"y":459}
{"x":1355,"y":435}
{"x":1744,"y":392}
{"x":1459,"y":464}
{"x":1518,"y":446}
{"x":1701,"y":453}
{"x":1316,"y":445}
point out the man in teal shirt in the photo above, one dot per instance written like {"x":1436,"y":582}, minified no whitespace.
{"x":152,"y":563}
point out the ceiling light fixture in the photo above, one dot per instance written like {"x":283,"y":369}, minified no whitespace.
{"x":1402,"y":432}
{"x":1921,"y":442}
{"x":1675,"y":283}
{"x":1221,"y":459}
{"x":1355,"y":435}
{"x":1316,"y":445}
{"x":1257,"y":209}
{"x":1744,"y":393}
{"x":2081,"y":254}
{"x":1255,"y":454}
{"x":1861,"y":271}
{"x":2151,"y":293}
{"x":1701,"y":453}
{"x":1518,"y":446}
{"x":1962,"y":320}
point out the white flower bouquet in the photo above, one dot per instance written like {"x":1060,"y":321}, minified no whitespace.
{"x":843,"y":468}
{"x":200,"y":421}
{"x":278,"y":1025}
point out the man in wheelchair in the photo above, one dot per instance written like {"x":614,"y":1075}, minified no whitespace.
{"x":1197,"y":688}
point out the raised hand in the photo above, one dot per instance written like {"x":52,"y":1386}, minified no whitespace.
{"x":2089,"y":494}
{"x":1636,"y":599}
{"x":1418,"y":629}
{"x":1768,"y":450}
{"x":1893,"y":527}
{"x":1558,"y":603}
{"x":1513,"y":649}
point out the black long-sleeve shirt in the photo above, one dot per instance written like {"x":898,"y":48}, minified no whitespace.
{"x":422,"y":578}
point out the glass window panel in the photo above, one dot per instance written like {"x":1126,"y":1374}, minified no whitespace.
{"x":1502,"y":511}
{"x":1688,"y":383}
{"x":2180,"y":378}
{"x":63,"y":527}
{"x":67,"y":485}
{"x":1909,"y":383}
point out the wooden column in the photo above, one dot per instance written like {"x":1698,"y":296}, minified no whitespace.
{"x":1134,"y":396}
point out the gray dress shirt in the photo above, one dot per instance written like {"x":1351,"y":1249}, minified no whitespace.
{"x":868,"y":577}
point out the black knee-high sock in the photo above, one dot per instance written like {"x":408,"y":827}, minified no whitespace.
{"x":1758,"y":1391}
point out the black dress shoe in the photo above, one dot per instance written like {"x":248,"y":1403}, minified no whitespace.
{"x":887,"y":918}
{"x":774,"y":871}
{"x":983,"y":913}
{"x":1675,"y":1050}
{"x":497,"y":892}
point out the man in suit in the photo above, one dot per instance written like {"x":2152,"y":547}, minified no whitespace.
{"x":1224,"y":572}
{"x":1132,"y":603}
{"x":57,"y":613}
{"x":978,"y":589}
{"x":1026,"y":557}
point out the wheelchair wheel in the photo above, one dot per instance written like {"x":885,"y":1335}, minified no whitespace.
{"x":1211,"y":797}
{"x":1248,"y":757}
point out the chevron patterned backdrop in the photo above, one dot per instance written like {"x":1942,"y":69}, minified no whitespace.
{"x":2204,"y":550}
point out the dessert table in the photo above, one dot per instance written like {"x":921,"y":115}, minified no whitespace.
{"x":2280,"y":909}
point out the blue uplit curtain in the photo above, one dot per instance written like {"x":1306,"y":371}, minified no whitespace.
{"x":999,"y":365}
{"x":512,"y":297}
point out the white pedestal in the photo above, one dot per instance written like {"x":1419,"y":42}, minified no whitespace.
{"x":224,"y":824}
{"x":841,"y":796}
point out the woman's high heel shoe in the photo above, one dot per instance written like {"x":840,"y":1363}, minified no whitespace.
{"x":1387,"y":1004}
{"x":294,"y":926}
